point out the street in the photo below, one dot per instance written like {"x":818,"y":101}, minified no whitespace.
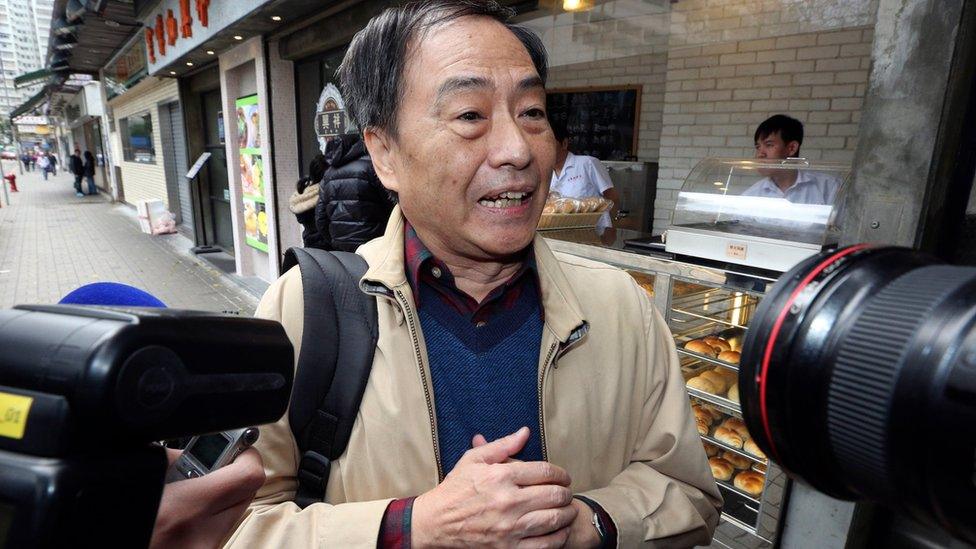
{"x":52,"y":242}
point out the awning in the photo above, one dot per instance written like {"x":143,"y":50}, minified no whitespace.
{"x":30,"y":104}
{"x":32,"y":77}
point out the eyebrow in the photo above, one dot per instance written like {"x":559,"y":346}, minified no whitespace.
{"x":460,"y":84}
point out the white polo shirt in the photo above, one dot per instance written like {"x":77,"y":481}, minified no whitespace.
{"x":583,"y":177}
{"x":809,"y":188}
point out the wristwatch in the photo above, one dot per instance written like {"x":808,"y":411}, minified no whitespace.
{"x":600,"y":530}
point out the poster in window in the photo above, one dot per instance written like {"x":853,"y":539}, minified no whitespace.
{"x":255,"y":224}
{"x":220,"y":127}
{"x":248,"y":123}
{"x":252,"y":176}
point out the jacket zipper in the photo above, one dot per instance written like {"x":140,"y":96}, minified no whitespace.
{"x":550,"y":358}
{"x":423,"y":376}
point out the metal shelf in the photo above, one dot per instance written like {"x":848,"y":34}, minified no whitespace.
{"x":729,"y":447}
{"x":721,"y":402}
{"x":708,"y":359}
{"x":730,"y":487}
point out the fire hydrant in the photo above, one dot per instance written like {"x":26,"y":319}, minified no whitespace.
{"x":13,"y":182}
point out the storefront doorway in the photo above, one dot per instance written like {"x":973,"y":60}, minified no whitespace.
{"x":219,"y":188}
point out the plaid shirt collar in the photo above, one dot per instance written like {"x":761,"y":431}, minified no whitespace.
{"x":423,"y":267}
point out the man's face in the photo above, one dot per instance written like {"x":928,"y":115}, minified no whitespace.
{"x":773,"y":147}
{"x":474,"y":152}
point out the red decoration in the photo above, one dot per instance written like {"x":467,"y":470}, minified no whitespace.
{"x":203,"y":7}
{"x":186,"y":22}
{"x":150,"y":47}
{"x":170,"y":28}
{"x":160,"y":34}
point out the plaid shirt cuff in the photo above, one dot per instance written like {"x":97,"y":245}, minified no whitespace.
{"x":395,"y":528}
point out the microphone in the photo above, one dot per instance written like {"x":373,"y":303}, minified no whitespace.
{"x":111,"y":294}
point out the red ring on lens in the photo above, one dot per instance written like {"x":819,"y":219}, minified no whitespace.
{"x":768,"y":353}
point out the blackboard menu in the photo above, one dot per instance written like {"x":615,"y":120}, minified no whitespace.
{"x":601,"y":122}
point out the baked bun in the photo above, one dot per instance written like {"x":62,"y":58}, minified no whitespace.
{"x":759,"y":468}
{"x":733,"y":393}
{"x":752,"y":448}
{"x":749,"y":482}
{"x":737,"y":461}
{"x":718,"y":343}
{"x":710,"y":449}
{"x":604,"y":205}
{"x":722,"y":470}
{"x":549,"y":208}
{"x":563,"y":206}
{"x":737,"y":425}
{"x":701,"y":384}
{"x":728,"y":436}
{"x":729,"y":376}
{"x":700,"y":347}
{"x":702,"y":427}
{"x":732,"y":357}
{"x":702,"y":415}
{"x":720,"y":382}
{"x":716,"y":414}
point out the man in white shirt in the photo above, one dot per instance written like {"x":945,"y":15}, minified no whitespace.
{"x":579,"y":176}
{"x":779,"y":137}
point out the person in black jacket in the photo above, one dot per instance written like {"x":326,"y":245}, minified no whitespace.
{"x":302,"y":203}
{"x":353,"y":206}
{"x":89,"y":172}
{"x":77,"y":169}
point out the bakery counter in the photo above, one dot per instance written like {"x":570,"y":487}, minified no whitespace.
{"x":707,"y":307}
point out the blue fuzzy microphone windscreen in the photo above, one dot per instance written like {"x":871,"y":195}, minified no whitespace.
{"x":111,"y":294}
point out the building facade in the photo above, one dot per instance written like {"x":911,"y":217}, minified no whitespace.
{"x":24,"y":29}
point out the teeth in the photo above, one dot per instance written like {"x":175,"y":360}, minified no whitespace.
{"x":500,"y":203}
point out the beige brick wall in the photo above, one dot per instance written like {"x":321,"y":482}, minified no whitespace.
{"x":716,"y":95}
{"x":144,"y":181}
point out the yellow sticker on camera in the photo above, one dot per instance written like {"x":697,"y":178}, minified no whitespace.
{"x":13,"y":415}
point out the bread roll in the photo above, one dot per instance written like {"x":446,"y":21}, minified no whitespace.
{"x":738,"y":426}
{"x":702,"y":427}
{"x":759,"y":468}
{"x":716,"y":413}
{"x":722,"y":470}
{"x":751,"y":448}
{"x":701,"y":414}
{"x":700,"y":347}
{"x":701,"y":384}
{"x":710,"y":449}
{"x":564,"y":206}
{"x":604,"y":205}
{"x":728,"y":436}
{"x":733,"y":393}
{"x":749,"y":482}
{"x":720,"y":382}
{"x":729,"y":376}
{"x":718,"y":343}
{"x":737,"y":461}
{"x":732,"y":357}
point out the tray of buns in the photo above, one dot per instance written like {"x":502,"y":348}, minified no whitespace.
{"x":572,"y":213}
{"x":550,"y":221}
{"x":715,"y":384}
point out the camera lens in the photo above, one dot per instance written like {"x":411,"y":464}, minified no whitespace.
{"x":858,"y":375}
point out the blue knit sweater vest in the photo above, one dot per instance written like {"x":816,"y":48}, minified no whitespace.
{"x":484,"y":378}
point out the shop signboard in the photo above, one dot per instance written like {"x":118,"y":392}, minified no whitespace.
{"x":331,"y":119}
{"x":248,"y":119}
{"x":176,"y":27}
{"x":126,"y":70}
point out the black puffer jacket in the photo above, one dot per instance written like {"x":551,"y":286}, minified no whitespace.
{"x":353,"y":205}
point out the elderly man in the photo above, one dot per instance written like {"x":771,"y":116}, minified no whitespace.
{"x":517,"y":397}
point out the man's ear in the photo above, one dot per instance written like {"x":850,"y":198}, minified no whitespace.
{"x":792,"y":148}
{"x":382,"y":151}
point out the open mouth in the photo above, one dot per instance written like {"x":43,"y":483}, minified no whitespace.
{"x":509,"y":199}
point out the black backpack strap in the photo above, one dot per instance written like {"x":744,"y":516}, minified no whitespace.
{"x":338,"y":341}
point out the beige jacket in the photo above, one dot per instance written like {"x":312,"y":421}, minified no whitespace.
{"x":613,"y":407}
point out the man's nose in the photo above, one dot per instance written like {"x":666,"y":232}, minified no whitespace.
{"x":508,"y":145}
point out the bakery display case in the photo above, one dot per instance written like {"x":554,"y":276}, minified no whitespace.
{"x":770,"y":214}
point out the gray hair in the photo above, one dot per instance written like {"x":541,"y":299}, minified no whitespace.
{"x":371,"y":74}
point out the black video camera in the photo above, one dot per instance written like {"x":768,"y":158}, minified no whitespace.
{"x":84,"y":392}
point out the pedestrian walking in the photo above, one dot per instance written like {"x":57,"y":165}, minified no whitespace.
{"x":33,"y":160}
{"x":89,"y":171}
{"x":53,"y":160}
{"x":44,"y":163}
{"x":77,"y":169}
{"x":26,"y":161}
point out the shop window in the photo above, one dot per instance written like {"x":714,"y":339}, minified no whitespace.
{"x":137,"y":139}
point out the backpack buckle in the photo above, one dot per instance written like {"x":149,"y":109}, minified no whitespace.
{"x":313,"y":474}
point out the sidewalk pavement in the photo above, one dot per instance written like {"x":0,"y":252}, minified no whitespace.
{"x":52,"y":242}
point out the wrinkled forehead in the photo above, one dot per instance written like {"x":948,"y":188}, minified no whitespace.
{"x":471,"y":44}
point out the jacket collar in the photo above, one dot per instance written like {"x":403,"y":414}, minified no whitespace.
{"x":387,"y":268}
